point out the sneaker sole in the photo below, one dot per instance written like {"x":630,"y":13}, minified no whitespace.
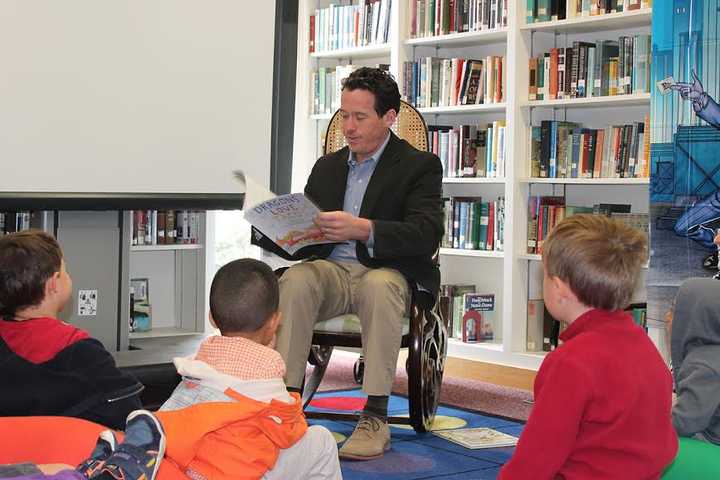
{"x":161,"y":447}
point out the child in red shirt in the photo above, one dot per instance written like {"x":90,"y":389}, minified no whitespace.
{"x":602,"y":398}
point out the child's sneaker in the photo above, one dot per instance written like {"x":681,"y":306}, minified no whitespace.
{"x":138,"y":456}
{"x":105,"y":446}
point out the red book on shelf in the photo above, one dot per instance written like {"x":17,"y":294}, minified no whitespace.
{"x":311,"y":41}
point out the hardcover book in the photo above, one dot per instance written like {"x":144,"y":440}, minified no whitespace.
{"x":478,"y":317}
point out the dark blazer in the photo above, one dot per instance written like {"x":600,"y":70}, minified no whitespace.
{"x":404,"y":201}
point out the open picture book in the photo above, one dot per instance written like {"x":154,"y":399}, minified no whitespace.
{"x":287,"y":220}
{"x":477,"y":437}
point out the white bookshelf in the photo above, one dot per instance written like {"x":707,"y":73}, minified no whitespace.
{"x":168,"y":247}
{"x":610,"y":21}
{"x":368,"y":51}
{"x":512,"y":274}
{"x":614,"y":101}
{"x":463,"y":39}
{"x":164,"y":332}
{"x":463,"y":109}
{"x":587,"y":181}
{"x":474,"y":180}
{"x":460,"y":252}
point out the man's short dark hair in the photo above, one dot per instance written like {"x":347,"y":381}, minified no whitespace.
{"x":27,"y":260}
{"x":243,"y":296}
{"x":378,"y":82}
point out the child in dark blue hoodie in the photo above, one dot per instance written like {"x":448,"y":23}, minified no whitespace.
{"x":48,"y":367}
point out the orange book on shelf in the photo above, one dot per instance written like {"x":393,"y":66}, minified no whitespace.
{"x":600,"y":141}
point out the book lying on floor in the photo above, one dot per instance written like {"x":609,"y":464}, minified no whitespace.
{"x":475,"y":438}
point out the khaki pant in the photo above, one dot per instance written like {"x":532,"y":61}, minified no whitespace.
{"x":321,"y":289}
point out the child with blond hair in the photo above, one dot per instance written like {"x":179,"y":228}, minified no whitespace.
{"x":603,"y":397}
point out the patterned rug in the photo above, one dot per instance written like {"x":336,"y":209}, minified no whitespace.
{"x":419,"y":456}
{"x":457,"y":392}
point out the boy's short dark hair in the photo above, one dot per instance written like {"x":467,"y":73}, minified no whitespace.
{"x":27,"y":260}
{"x":243,"y":296}
{"x":599,"y":258}
{"x":378,"y":82}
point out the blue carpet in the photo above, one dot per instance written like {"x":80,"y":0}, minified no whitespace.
{"x":423,"y":456}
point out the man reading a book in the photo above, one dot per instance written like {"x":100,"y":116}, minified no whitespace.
{"x":381,"y":201}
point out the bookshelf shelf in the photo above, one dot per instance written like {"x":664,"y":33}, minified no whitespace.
{"x":164,"y":332}
{"x":463,"y":109}
{"x":609,"y":21}
{"x":471,"y":253}
{"x":588,"y":181}
{"x":368,"y":51}
{"x":472,"y":180}
{"x":638,"y":99}
{"x":538,"y":258}
{"x":479,"y":345}
{"x":461,"y":39}
{"x":156,"y":248}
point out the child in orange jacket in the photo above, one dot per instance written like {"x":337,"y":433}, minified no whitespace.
{"x":232,"y":416}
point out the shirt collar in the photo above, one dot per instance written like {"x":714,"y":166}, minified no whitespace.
{"x":594,"y":319}
{"x":373,"y":158}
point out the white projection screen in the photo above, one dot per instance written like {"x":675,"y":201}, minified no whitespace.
{"x":150,"y":96}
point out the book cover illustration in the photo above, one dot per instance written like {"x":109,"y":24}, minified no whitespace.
{"x":477,"y":437}
{"x":478,"y":317}
{"x":288,"y":221}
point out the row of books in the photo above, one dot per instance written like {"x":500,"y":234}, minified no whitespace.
{"x":160,"y":227}
{"x":472,"y":224}
{"x":544,"y":212}
{"x":568,"y":150}
{"x":14,"y":221}
{"x":444,"y":82}
{"x":441,"y":17}
{"x":553,"y":10}
{"x":326,"y":86}
{"x":470,"y":150}
{"x":586,"y":69}
{"x":363,"y":22}
{"x":543,"y":330}
{"x":470,"y":316}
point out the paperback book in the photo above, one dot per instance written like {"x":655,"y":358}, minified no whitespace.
{"x":477,"y":437}
{"x":288,"y":221}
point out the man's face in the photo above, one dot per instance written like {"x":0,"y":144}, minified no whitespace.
{"x":363,"y":128}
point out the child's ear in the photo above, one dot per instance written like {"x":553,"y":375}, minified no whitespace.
{"x":51,"y":285}
{"x":212,"y":320}
{"x":564,"y":289}
{"x":274,"y":322}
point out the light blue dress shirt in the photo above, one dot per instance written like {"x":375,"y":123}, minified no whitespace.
{"x":358,"y":177}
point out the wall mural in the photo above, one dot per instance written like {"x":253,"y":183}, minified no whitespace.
{"x":685,"y":147}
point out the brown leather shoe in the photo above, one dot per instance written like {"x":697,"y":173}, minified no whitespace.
{"x":371,"y":439}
